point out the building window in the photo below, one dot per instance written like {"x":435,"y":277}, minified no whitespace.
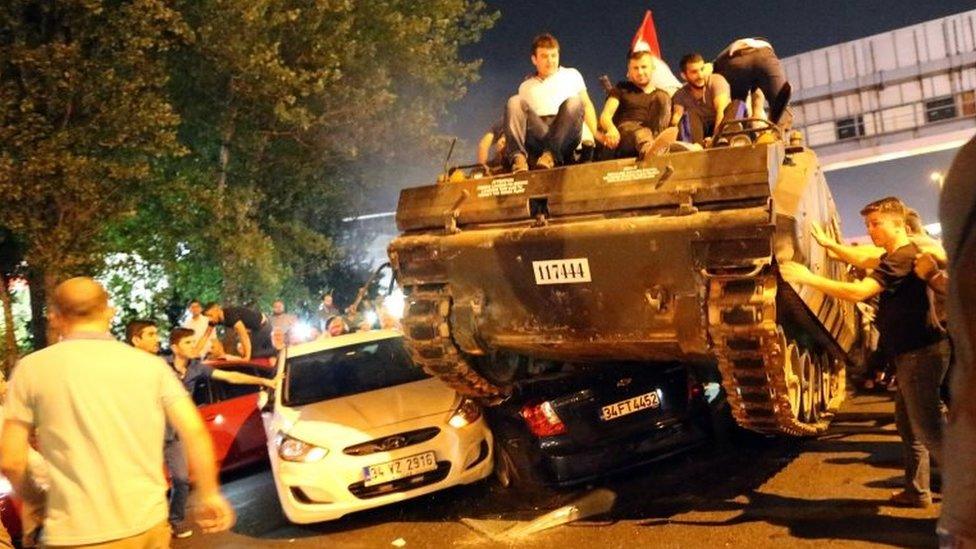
{"x":940,"y":109}
{"x":849,"y":128}
{"x":968,"y":101}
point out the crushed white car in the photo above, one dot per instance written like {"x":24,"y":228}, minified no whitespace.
{"x":357,"y":425}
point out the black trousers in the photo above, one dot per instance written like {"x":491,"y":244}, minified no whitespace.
{"x":756,"y":68}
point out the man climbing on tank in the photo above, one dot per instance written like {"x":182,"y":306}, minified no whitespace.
{"x":750,"y":64}
{"x":544,"y":121}
{"x":637,"y":112}
{"x":909,"y":338}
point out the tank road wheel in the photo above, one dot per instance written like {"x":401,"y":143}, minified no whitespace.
{"x":811,"y":389}
{"x":837,"y":385}
{"x":794,"y":380}
{"x":826,"y":389}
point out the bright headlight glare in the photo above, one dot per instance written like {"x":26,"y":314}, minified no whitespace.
{"x":292,"y":449}
{"x":466,"y":413}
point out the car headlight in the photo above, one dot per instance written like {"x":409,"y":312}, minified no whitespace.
{"x":292,"y":449}
{"x":466,"y":413}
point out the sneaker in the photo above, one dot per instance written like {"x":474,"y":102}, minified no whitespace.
{"x":906,"y":499}
{"x":519,"y":163}
{"x":181,"y":530}
{"x":661,"y":144}
{"x":546,"y":161}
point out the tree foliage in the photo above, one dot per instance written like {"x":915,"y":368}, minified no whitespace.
{"x":222,"y":140}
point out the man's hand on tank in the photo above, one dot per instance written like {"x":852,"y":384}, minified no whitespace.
{"x":821,"y":236}
{"x":795,"y":272}
{"x":611,"y":138}
{"x":925,"y":266}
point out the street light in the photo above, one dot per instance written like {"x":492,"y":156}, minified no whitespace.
{"x":937,"y":177}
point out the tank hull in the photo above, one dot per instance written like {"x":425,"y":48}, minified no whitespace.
{"x":621,"y":260}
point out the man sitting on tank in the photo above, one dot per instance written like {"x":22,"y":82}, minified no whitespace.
{"x":700,"y":105}
{"x":637,"y":112}
{"x":544,"y":121}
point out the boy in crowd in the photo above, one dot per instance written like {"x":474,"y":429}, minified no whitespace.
{"x":189,"y":370}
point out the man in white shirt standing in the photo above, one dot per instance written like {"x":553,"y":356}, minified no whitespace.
{"x":99,"y":426}
{"x":545,"y":119}
{"x":199,"y":323}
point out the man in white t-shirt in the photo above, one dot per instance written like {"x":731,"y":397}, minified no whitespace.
{"x":99,"y":426}
{"x":199,"y":323}
{"x":545,"y":119}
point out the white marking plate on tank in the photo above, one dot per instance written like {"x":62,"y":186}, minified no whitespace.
{"x":631,"y":173}
{"x":502,"y":187}
{"x":562,"y":271}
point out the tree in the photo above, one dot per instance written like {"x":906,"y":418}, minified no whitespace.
{"x":11,"y":261}
{"x":290,"y":108}
{"x":84,"y":112}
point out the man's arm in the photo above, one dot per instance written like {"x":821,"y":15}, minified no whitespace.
{"x":612,"y":137}
{"x":927,"y":268}
{"x":215,"y":513}
{"x":856,"y":291}
{"x":484,"y":147}
{"x":13,"y":453}
{"x":862,"y":257}
{"x":238,"y":378}
{"x":202,"y":342}
{"x":589,"y":115}
{"x":677,"y":111}
{"x":245,"y":338}
{"x":719,"y":103}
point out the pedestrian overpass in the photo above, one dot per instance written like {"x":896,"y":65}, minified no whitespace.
{"x":904,"y":92}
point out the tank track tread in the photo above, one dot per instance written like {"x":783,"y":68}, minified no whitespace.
{"x":427,"y":331}
{"x":751,"y":351}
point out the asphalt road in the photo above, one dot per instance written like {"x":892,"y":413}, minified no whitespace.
{"x":827,"y":492}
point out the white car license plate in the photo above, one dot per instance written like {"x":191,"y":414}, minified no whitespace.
{"x":631,"y":405}
{"x":399,"y":468}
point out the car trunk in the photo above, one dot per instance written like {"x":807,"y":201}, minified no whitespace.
{"x":579,"y":399}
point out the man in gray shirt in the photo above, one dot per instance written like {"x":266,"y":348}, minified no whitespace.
{"x":100,"y":429}
{"x":699,"y":106}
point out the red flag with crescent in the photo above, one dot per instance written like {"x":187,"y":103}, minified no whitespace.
{"x":646,"y":37}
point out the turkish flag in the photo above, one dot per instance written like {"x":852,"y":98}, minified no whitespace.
{"x":646,"y":37}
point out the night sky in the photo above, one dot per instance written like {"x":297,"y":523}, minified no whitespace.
{"x":595,"y":36}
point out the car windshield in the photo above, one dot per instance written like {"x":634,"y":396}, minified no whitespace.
{"x":348,"y":370}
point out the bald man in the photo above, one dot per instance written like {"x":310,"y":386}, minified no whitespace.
{"x":100,"y":428}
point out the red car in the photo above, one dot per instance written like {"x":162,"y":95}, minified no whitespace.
{"x":231,"y":414}
{"x":9,"y":509}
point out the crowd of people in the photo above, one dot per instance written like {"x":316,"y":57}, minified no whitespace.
{"x":118,"y":411}
{"x":552,"y":119}
{"x":97,"y":478}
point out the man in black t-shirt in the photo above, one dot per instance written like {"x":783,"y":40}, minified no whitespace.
{"x":252,"y":329}
{"x":908,"y":337}
{"x":636,"y":112}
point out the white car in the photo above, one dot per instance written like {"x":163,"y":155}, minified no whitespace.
{"x":357,"y":425}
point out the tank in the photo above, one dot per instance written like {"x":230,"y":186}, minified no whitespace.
{"x":673,"y":258}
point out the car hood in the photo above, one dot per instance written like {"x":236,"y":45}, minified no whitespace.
{"x":358,"y":417}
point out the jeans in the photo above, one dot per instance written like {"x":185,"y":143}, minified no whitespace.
{"x":530,"y":135}
{"x":918,"y":413}
{"x":179,"y":474}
